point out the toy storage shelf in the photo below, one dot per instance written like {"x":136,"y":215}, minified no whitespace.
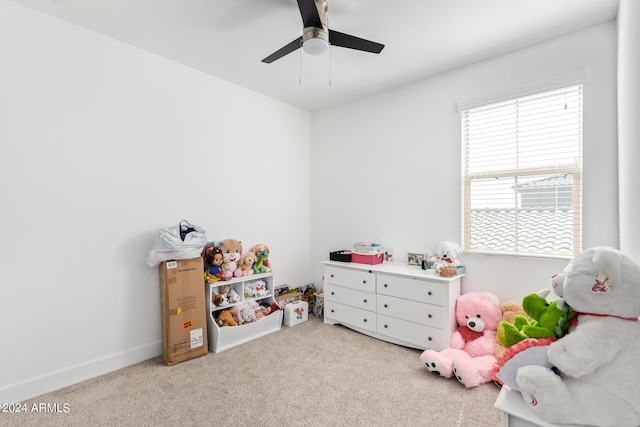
{"x":221,"y":339}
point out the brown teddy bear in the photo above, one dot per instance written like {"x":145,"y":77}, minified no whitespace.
{"x":246,"y":263}
{"x":509,"y":311}
{"x":226,"y":318}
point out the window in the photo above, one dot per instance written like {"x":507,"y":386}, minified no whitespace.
{"x":522,"y":174}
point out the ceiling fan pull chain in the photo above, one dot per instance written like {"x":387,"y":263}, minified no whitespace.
{"x":330,"y":63}
{"x":300,"y":77}
{"x":330,"y":49}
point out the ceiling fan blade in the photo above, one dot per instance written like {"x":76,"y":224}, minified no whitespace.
{"x":337,"y":38}
{"x":309,"y":12}
{"x":294,"y":45}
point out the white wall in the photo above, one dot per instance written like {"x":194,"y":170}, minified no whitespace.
{"x":629,"y":125}
{"x":387,"y":168}
{"x":101,"y":145}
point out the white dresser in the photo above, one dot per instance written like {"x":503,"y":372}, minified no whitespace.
{"x":396,"y":303}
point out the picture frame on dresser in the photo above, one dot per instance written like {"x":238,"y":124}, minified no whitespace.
{"x":415,"y":259}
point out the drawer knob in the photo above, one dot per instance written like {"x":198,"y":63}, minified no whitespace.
{"x":430,"y":339}
{"x":332,"y":275}
{"x":333,"y":293}
{"x":429,"y":293}
{"x":365,"y":300}
{"x":365,"y":320}
{"x":364,"y":281}
{"x":386,"y":286}
{"x":332,"y":310}
{"x":430,"y":316}
{"x":386,"y":305}
{"x":386,"y":326}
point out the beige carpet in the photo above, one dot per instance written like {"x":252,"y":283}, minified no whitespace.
{"x":311,"y":374}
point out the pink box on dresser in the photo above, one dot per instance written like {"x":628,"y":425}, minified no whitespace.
{"x":375,"y":258}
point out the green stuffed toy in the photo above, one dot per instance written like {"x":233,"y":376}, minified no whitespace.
{"x":550,"y":320}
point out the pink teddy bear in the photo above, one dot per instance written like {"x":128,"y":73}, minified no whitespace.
{"x":472,"y":352}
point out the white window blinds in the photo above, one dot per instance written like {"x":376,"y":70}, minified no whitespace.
{"x":522,"y":174}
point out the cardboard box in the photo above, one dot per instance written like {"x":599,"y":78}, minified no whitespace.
{"x":296,"y":312}
{"x":183,"y":310}
{"x":285,"y":299}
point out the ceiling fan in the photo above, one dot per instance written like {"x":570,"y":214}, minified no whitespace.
{"x":316,"y":35}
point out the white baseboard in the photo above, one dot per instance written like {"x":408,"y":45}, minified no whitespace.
{"x":56,"y":380}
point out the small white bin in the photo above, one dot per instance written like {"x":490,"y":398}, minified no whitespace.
{"x":296,"y":312}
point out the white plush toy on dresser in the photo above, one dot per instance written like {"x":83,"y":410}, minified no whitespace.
{"x":446,"y":255}
{"x":598,"y":362}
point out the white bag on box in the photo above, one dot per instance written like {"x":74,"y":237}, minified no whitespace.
{"x":169,"y":246}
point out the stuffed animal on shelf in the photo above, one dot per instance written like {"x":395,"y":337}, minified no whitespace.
{"x":224,"y":290}
{"x":233,"y":296}
{"x":263,"y":311}
{"x":247,"y":262}
{"x":247,"y":311}
{"x":256,"y":288}
{"x":510,"y":310}
{"x":597,"y":360}
{"x":212,"y":264}
{"x":260,"y":289}
{"x":226,"y":318}
{"x":231,"y":254}
{"x":471,"y":354}
{"x":262,"y":264}
{"x":219,"y":299}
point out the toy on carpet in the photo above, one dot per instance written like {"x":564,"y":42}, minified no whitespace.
{"x":226,"y":318}
{"x":471,"y":354}
{"x":597,"y":363}
{"x":212,"y":264}
{"x":548,"y":319}
{"x":310,"y":296}
{"x":231,"y":253}
{"x":262,"y":254}
{"x":247,"y":262}
{"x":509,"y":311}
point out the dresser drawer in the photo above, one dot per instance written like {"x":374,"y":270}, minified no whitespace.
{"x":418,"y":312}
{"x":362,"y":280}
{"x":351,"y":316}
{"x":349,"y":296}
{"x":412,"y":288}
{"x":418,"y":335}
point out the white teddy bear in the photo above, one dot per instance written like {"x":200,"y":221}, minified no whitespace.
{"x":446,"y":256}
{"x":598,"y":382}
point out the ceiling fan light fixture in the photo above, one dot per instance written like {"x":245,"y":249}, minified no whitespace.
{"x":316,"y":46}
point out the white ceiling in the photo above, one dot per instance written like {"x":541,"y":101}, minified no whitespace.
{"x":228,"y":38}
